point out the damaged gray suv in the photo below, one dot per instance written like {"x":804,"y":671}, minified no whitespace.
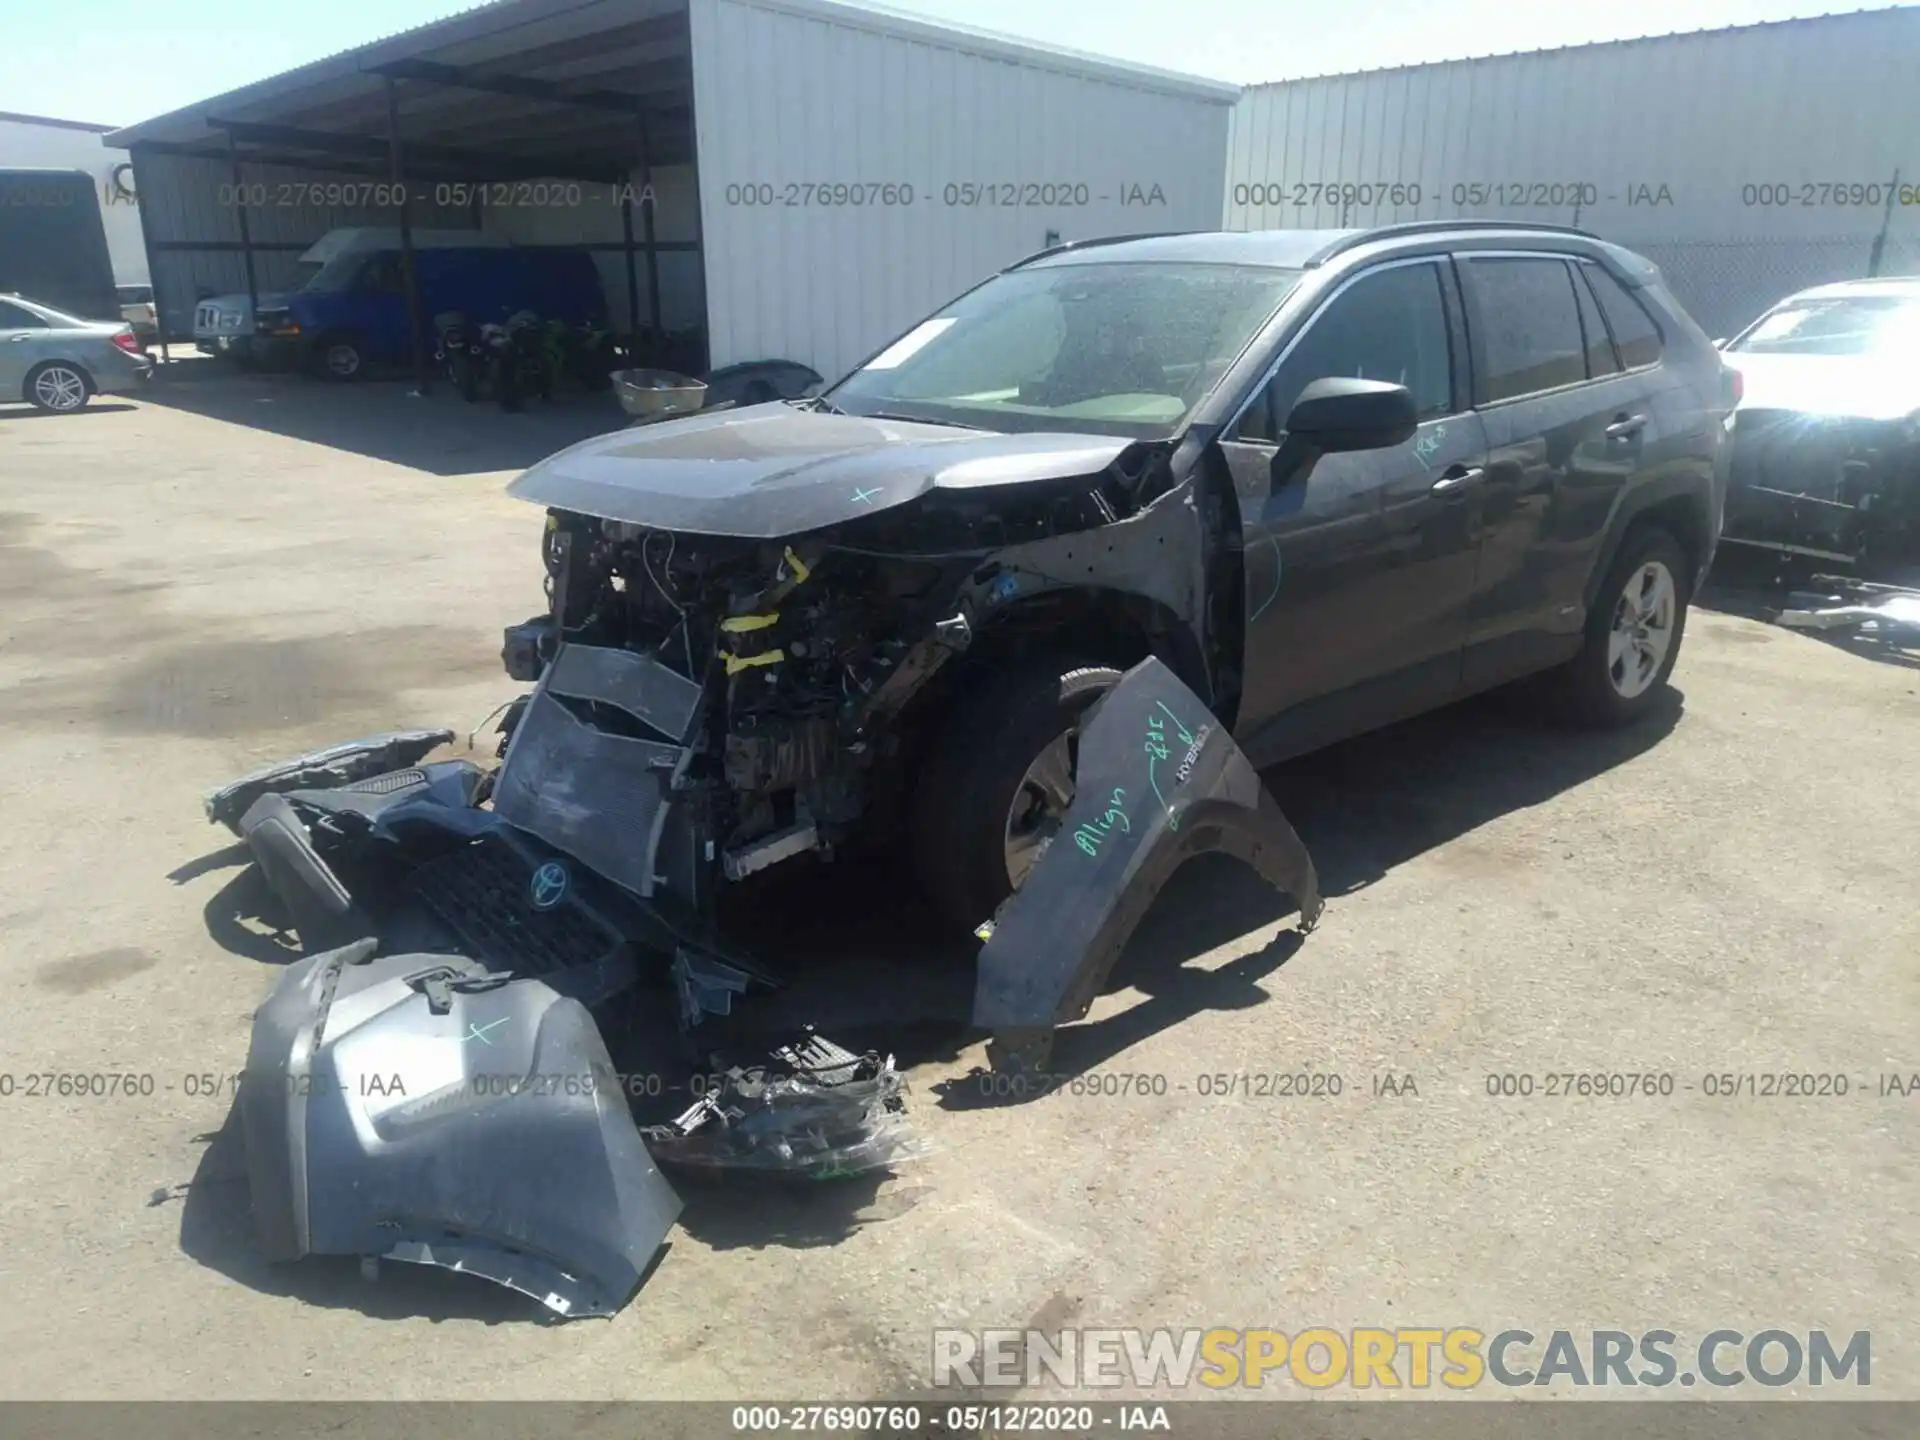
{"x":1028,"y":597}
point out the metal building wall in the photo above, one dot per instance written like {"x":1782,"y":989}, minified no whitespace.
{"x":187,"y":205}
{"x":793,"y":97}
{"x":1821,"y":113}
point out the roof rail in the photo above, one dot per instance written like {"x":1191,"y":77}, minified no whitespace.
{"x":1434,"y":227}
{"x":1089,"y":244}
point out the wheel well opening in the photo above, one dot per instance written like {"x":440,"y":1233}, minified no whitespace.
{"x":1091,"y":625}
{"x":1682,"y":519}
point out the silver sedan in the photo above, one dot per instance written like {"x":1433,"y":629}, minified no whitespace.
{"x":58,"y":361}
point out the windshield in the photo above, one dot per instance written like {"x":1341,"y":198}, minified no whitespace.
{"x":336,"y":274}
{"x":1117,"y":348}
{"x":1844,"y":325}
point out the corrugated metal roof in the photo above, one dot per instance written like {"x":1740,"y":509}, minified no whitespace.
{"x":49,"y":121}
{"x":1825,"y":18}
{"x":526,"y":20}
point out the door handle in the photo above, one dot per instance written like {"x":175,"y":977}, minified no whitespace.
{"x":1457,"y":478}
{"x":1626,"y":426}
{"x":19,"y":339}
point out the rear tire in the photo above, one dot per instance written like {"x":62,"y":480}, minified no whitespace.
{"x":58,"y":387}
{"x":978,"y":812}
{"x":1633,"y":635}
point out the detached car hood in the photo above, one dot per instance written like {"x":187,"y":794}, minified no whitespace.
{"x":1866,"y":387}
{"x":771,"y":471}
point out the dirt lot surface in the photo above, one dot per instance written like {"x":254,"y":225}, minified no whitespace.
{"x":233,"y":569}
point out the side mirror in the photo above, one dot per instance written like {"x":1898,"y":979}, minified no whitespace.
{"x":1338,"y":414}
{"x":1721,"y":343}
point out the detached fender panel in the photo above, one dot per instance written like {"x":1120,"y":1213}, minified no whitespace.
{"x":1160,"y":780}
{"x":419,"y":1108}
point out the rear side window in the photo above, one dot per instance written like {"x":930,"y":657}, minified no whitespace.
{"x":12,"y":317}
{"x":1600,"y":357}
{"x":1530,"y":337}
{"x":1633,"y":329}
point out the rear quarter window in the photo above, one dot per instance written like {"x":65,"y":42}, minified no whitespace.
{"x":1634,"y":330}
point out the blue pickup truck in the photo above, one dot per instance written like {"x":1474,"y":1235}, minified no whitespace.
{"x":350,"y":309}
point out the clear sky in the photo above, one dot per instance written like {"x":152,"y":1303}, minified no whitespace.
{"x":119,"y":61}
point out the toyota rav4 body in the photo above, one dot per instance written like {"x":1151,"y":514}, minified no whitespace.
{"x":1328,"y":479}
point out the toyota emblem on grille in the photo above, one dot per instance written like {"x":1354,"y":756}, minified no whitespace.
{"x":549,"y":886}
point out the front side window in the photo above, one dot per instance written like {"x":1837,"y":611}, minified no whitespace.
{"x":1837,"y":325}
{"x":1390,"y":325}
{"x":1120,"y":347}
{"x":1529,"y":319}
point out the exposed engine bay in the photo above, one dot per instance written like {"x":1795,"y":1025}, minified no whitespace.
{"x":520,"y":1005}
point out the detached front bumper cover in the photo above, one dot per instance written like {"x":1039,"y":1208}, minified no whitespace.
{"x":422,"y":1108}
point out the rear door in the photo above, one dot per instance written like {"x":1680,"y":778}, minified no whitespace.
{"x":1359,"y":572}
{"x":1567,"y":428}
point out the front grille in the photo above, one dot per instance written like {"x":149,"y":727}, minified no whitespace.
{"x":482,"y":890}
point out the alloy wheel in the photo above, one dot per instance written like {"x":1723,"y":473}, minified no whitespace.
{"x":1642,"y":632}
{"x":59,"y":388}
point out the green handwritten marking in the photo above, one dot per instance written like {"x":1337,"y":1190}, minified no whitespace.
{"x":1156,"y":748}
{"x":480,"y":1032}
{"x":1090,"y":833}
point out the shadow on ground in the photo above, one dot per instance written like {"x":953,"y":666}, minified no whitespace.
{"x":438,"y":432}
{"x":1376,"y":802}
{"x":866,"y":966}
{"x":95,"y":406}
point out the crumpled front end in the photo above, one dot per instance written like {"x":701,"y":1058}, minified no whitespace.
{"x":527,"y":1010}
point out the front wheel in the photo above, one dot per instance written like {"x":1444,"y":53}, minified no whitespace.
{"x":1633,"y":634}
{"x":994,"y":794}
{"x":339,"y":357}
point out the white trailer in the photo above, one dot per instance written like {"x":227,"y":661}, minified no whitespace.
{"x":1747,"y":163}
{"x":793,"y":178}
{"x":39,"y":143}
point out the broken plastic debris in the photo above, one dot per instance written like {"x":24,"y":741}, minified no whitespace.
{"x":818,"y":1112}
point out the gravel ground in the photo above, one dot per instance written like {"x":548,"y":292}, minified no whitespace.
{"x":233,"y":569}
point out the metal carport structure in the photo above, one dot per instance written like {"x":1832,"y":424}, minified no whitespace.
{"x":526,"y":90}
{"x":793,"y":177}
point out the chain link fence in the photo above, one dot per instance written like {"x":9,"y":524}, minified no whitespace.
{"x":1727,"y":284}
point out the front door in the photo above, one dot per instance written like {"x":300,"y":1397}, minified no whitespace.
{"x":1359,"y":568}
{"x":19,"y":330}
